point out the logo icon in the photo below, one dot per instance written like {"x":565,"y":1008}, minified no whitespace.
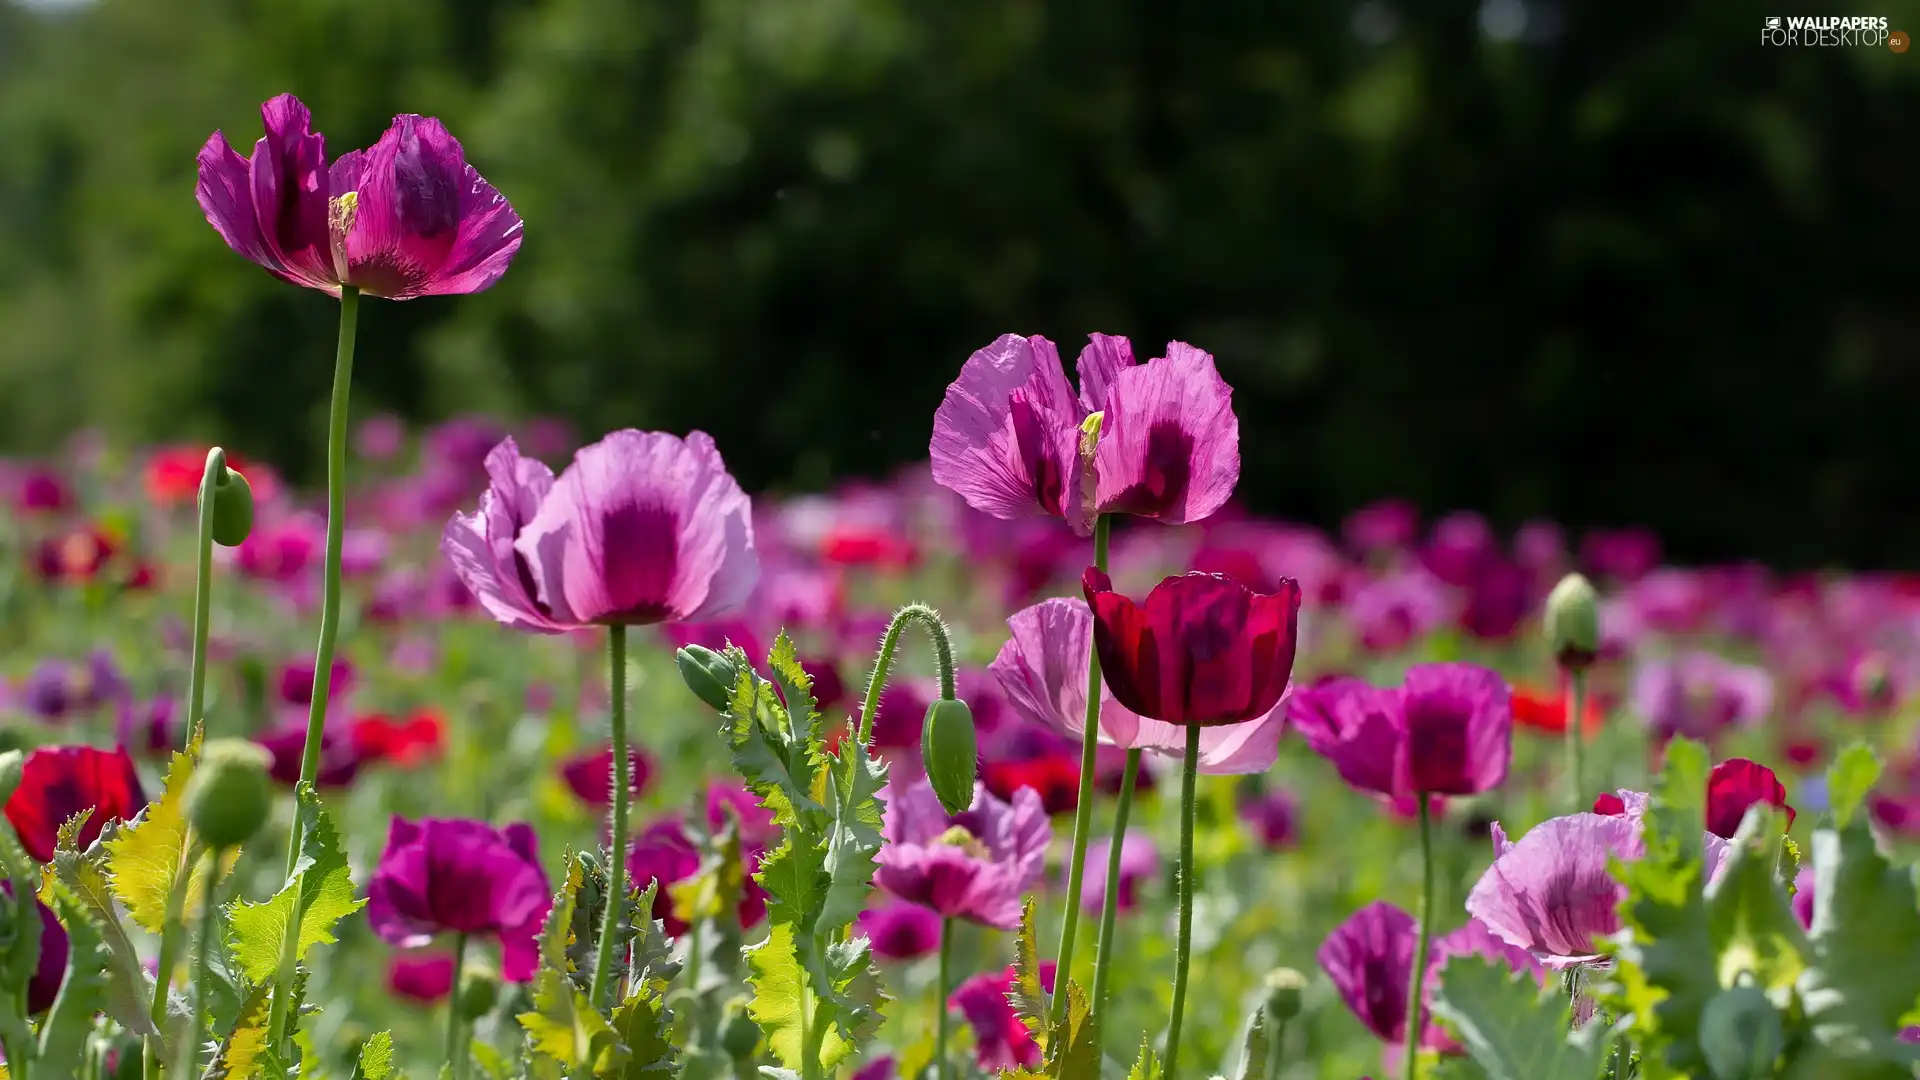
{"x":1773,"y":22}
{"x":1898,"y":41}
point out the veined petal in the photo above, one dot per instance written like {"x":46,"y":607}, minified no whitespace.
{"x":1170,"y":442}
{"x":1101,"y":362}
{"x":977,"y":451}
{"x":426,"y":222}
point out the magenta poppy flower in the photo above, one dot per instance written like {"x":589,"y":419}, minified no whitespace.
{"x":1803,"y":898}
{"x":1736,"y":784}
{"x":1387,"y":525}
{"x":1369,"y":958}
{"x":1699,"y":695}
{"x":296,"y":680}
{"x":590,"y":775}
{"x":1272,"y":817}
{"x":420,"y":976}
{"x":340,"y":760}
{"x":1007,"y":436}
{"x":1446,"y":730}
{"x":1627,"y":554}
{"x":51,"y":969}
{"x":1139,"y":860}
{"x":1043,"y":671}
{"x":1000,"y":1038}
{"x":973,"y":865}
{"x":729,"y":799}
{"x":407,"y":218}
{"x":1391,"y":612}
{"x":455,"y":876}
{"x":57,"y":782}
{"x":901,"y":931}
{"x":643,"y":527}
{"x":664,"y":853}
{"x":1202,"y":650}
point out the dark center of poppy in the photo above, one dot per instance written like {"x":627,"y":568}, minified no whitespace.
{"x":1165,"y":475}
{"x":1036,"y":449}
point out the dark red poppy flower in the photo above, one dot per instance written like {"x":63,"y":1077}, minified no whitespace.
{"x":1546,"y":711}
{"x":1736,"y":784}
{"x":48,"y":972}
{"x":590,"y":775}
{"x":1203,"y":650}
{"x":1055,"y":777}
{"x":339,"y":762}
{"x":57,"y":782}
{"x":1607,"y":804}
{"x":420,"y":975}
{"x":76,"y":555}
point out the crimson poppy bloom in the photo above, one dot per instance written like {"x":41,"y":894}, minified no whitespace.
{"x":57,"y":782}
{"x":590,"y":775}
{"x":1736,"y":784}
{"x":406,"y":218}
{"x":421,"y":976}
{"x":1202,"y":651}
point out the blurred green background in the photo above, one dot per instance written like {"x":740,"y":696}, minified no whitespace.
{"x":1598,"y":262}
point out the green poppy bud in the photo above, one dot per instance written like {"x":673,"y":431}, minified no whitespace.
{"x":230,"y":795}
{"x":1284,"y":987}
{"x":950,"y":753}
{"x":708,"y":674}
{"x":1740,"y":1033}
{"x":479,"y":991}
{"x":739,"y":1035}
{"x":232,"y":508}
{"x":1573,"y":622}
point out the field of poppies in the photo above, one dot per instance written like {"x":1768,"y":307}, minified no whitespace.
{"x":604,"y":768}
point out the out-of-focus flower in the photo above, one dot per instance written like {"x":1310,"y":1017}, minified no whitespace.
{"x":1053,"y":775}
{"x":1000,"y":1038}
{"x":900,"y":931}
{"x":457,"y":876}
{"x":663,"y":852}
{"x":43,"y":986}
{"x":1139,"y":860}
{"x":974,"y":865}
{"x":408,"y":217}
{"x":407,"y":741}
{"x":57,"y":782}
{"x":296,"y":680}
{"x":1008,"y":435}
{"x":1384,"y":526}
{"x":42,"y":491}
{"x":1498,"y":597}
{"x":728,"y":800}
{"x":1699,"y":694}
{"x":1459,"y":548}
{"x":590,"y":775}
{"x":146,"y":727}
{"x":282,"y":548}
{"x":1621,"y":554}
{"x":380,"y":437}
{"x":1272,"y":817}
{"x":286,"y":742}
{"x":1043,"y":671}
{"x":1803,"y":898}
{"x":1393,"y":611}
{"x":643,"y":527}
{"x":1446,"y":730}
{"x":421,"y":976}
{"x":75,"y":555}
{"x":1546,"y":710}
{"x":1736,"y":784}
{"x":1201,"y":651}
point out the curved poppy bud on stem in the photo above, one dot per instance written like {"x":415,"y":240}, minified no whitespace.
{"x":479,"y":991}
{"x":708,"y":674}
{"x":1573,"y":623}
{"x":950,"y":753}
{"x":232,"y":503}
{"x":230,"y":793}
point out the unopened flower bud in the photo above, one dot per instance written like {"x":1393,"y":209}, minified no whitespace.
{"x":232,"y":508}
{"x":1740,"y":1033}
{"x":479,"y":991}
{"x":1573,"y":622}
{"x":739,"y":1035}
{"x":1284,"y":987}
{"x":708,"y":674}
{"x":230,"y":793}
{"x":950,"y":753}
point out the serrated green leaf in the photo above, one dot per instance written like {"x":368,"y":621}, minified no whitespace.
{"x":245,"y":1055}
{"x":67,"y":837}
{"x":63,"y":1035}
{"x":376,"y":1057}
{"x":1512,"y":1028}
{"x":564,"y":1026}
{"x":129,"y":987}
{"x":652,"y":950}
{"x":779,"y":772}
{"x":1865,"y":912}
{"x":1028,"y":995}
{"x":854,"y":779}
{"x":1852,"y":776}
{"x":641,"y":1024}
{"x":1749,"y":913}
{"x":796,"y":692}
{"x":1789,"y":864}
{"x":780,"y":995}
{"x":1073,"y":1053}
{"x":149,"y":854}
{"x":319,"y":895}
{"x":557,"y":933}
{"x":1146,"y":1066}
{"x":795,"y":880}
{"x":716,"y":890}
{"x":1253,"y":1050}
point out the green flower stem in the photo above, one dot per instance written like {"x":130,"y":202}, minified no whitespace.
{"x":1183,"y":949}
{"x":1083,"y":808}
{"x":16,"y":1040}
{"x":329,"y":626}
{"x":929,"y":620}
{"x":1412,"y":1069}
{"x":188,"y":1050}
{"x":16,"y":1037}
{"x":1576,"y":743}
{"x":622,"y":790}
{"x":1274,"y":1047}
{"x":203,"y":590}
{"x":1110,"y":905}
{"x":171,"y":928}
{"x":457,"y":1055}
{"x":940,"y":991}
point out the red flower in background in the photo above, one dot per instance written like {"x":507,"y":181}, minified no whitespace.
{"x":590,"y":775}
{"x":57,"y":782}
{"x":76,"y":555}
{"x":857,"y":545}
{"x":1543,"y":710}
{"x":418,"y":738}
{"x":172,"y":475}
{"x":1055,"y":777}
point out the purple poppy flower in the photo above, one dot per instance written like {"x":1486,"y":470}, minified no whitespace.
{"x":1139,"y":859}
{"x":296,"y":680}
{"x":1000,"y":1038}
{"x":900,"y":930}
{"x":42,"y":491}
{"x":1459,"y":548}
{"x":51,"y":969}
{"x":1700,"y":694}
{"x":1007,"y":436}
{"x":53,"y":690}
{"x":1387,"y":525}
{"x":407,"y":218}
{"x":462,"y":877}
{"x":643,"y":527}
{"x":728,"y":799}
{"x":146,"y":728}
{"x":1446,"y":730}
{"x":1803,"y":898}
{"x":1391,"y":612}
{"x":424,"y":977}
{"x":1043,"y":670}
{"x":380,"y":437}
{"x":1272,"y":818}
{"x":285,"y":743}
{"x":1624,"y":554}
{"x":590,"y":775}
{"x":972,"y":865}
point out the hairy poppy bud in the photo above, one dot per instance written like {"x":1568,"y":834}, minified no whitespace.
{"x":949,"y":752}
{"x":479,"y":990}
{"x":708,"y":674}
{"x":1740,"y":1033}
{"x":1284,"y":987}
{"x":739,"y":1035}
{"x":1573,"y":622}
{"x":232,"y":508}
{"x":230,"y":793}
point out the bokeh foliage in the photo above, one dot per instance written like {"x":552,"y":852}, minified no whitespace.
{"x":1626,"y":266}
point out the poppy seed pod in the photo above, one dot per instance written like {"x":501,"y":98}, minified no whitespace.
{"x":479,"y":991}
{"x":230,"y":793}
{"x":1284,"y":987}
{"x":739,"y":1034}
{"x":232,"y":508}
{"x":950,"y":753}
{"x":708,"y":674}
{"x":1573,"y":622}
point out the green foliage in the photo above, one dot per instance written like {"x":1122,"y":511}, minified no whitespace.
{"x":564,"y":1025}
{"x":1146,"y":1066}
{"x":246,"y":1053}
{"x":319,"y":893}
{"x":63,"y":1035}
{"x":1849,"y":780}
{"x":1029,"y":994}
{"x":376,"y":1058}
{"x":147,"y":857}
{"x":85,"y":875}
{"x":1254,"y":1049}
{"x":1512,"y":1028}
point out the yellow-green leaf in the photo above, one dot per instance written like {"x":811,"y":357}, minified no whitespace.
{"x":246,"y":1051}
{"x":1029,"y":994}
{"x":129,"y":987}
{"x":320,"y":895}
{"x":376,"y":1057}
{"x":779,"y":994}
{"x":146,"y":857}
{"x":565,"y":1027}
